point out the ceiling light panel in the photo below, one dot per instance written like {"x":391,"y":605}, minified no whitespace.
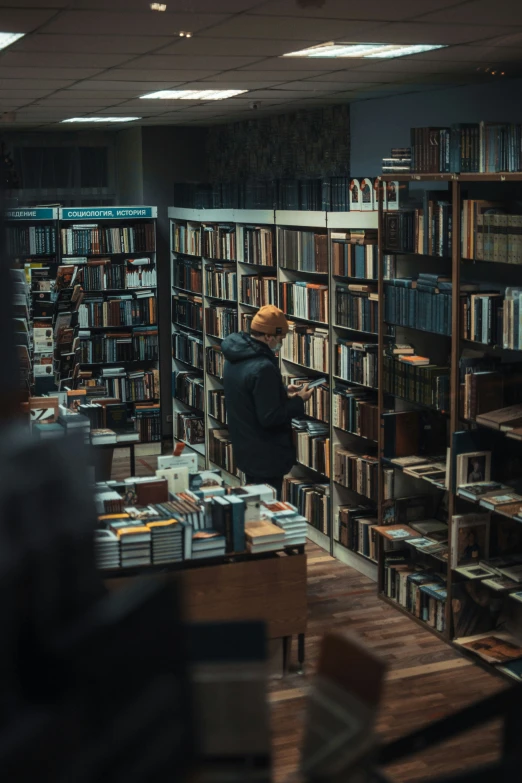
{"x":6,"y":39}
{"x":363,"y":50}
{"x":193,"y":95}
{"x":101,"y":119}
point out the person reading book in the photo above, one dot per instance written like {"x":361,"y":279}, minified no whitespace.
{"x":259,"y":406}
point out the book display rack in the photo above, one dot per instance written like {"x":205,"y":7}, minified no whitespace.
{"x":111,"y":254}
{"x":226,"y":264}
{"x":32,"y":246}
{"x":449,"y":538}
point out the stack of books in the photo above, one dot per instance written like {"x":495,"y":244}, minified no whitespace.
{"x":263,"y":536}
{"x":135,"y":541}
{"x":106,"y":549}
{"x":287,"y":517}
{"x":166,"y":540}
{"x":399,"y":161}
{"x":207,"y":543}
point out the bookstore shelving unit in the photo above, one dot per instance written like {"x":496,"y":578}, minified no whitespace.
{"x":213,"y":254}
{"x":32,"y":243}
{"x":115,"y":249}
{"x":478,"y":308}
{"x":288,"y":239}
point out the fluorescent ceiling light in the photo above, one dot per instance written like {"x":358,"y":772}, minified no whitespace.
{"x":102,"y":119}
{"x":383,"y":51}
{"x":6,"y":39}
{"x":194,"y":95}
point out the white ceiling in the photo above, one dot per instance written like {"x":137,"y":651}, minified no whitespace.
{"x":82,"y":57}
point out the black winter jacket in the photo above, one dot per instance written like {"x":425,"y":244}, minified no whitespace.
{"x":259,"y":410}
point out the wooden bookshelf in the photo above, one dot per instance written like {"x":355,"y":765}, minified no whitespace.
{"x":490,"y":275}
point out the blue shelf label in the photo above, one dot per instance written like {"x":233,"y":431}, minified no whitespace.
{"x":107,"y":213}
{"x":34,"y":213}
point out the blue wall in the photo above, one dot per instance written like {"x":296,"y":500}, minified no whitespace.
{"x":377,"y":125}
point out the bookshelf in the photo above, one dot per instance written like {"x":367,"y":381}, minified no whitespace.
{"x":288,"y":261}
{"x":466,"y":327}
{"x":114,"y":251}
{"x":32,"y":244}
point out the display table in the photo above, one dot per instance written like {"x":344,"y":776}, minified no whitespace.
{"x":269,"y":587}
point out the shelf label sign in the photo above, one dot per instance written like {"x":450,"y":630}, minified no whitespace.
{"x":31,"y":213}
{"x":107,"y":213}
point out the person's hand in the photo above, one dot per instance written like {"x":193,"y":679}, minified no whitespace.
{"x":305,"y":393}
{"x":293,"y":390}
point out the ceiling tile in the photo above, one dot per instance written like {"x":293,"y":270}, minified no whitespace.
{"x":469,"y":52}
{"x":151,"y":77}
{"x":354,"y":9}
{"x":90,"y":44}
{"x":480,"y":12}
{"x":238,"y":80}
{"x":37,"y":74}
{"x":180,"y":62}
{"x":129,"y":88}
{"x":61,"y":60}
{"x":359,"y":75}
{"x":14,"y":20}
{"x":130,"y":23}
{"x":424,"y":33}
{"x":299,"y":64}
{"x":255,"y":47}
{"x":30,"y":84}
{"x":291,"y":28}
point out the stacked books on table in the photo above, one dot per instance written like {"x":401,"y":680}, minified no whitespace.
{"x":264,"y":536}
{"x":207,"y":543}
{"x":106,"y":549}
{"x":166,"y":540}
{"x":287,"y":517}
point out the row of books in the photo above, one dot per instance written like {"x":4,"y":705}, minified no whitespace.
{"x":221,"y":280}
{"x":357,"y":307}
{"x":215,"y":361}
{"x":189,"y":427}
{"x":421,"y":592}
{"x":135,"y":386}
{"x":219,"y":242}
{"x":220,"y":450}
{"x":318,"y":406}
{"x":356,"y":362}
{"x":186,"y":273}
{"x":423,"y":304}
{"x":258,"y":246}
{"x":148,"y":422}
{"x":303,"y":251}
{"x":355,"y":254}
{"x":139,"y":345}
{"x":356,"y":411}
{"x":311,"y":499}
{"x":122,"y":310}
{"x":426,"y":385}
{"x":312,"y":444}
{"x":189,"y":388}
{"x":187,"y":310}
{"x":475,"y":147}
{"x":353,"y":529}
{"x":103,"y":276}
{"x":220,"y":321}
{"x":98,"y":240}
{"x":482,"y":318}
{"x":490,"y":232}
{"x":217,"y":407}
{"x":258,"y":290}
{"x":305,"y":300}
{"x":188,"y":348}
{"x":426,"y":230}
{"x":186,"y":238}
{"x":356,"y":472}
{"x":307,"y":346}
{"x":31,"y":241}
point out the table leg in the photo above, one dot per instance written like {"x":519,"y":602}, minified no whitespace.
{"x":132,"y":460}
{"x":301,"y":650}
{"x":287,"y":641}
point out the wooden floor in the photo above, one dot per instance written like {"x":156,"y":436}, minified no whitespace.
{"x":426,"y":680}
